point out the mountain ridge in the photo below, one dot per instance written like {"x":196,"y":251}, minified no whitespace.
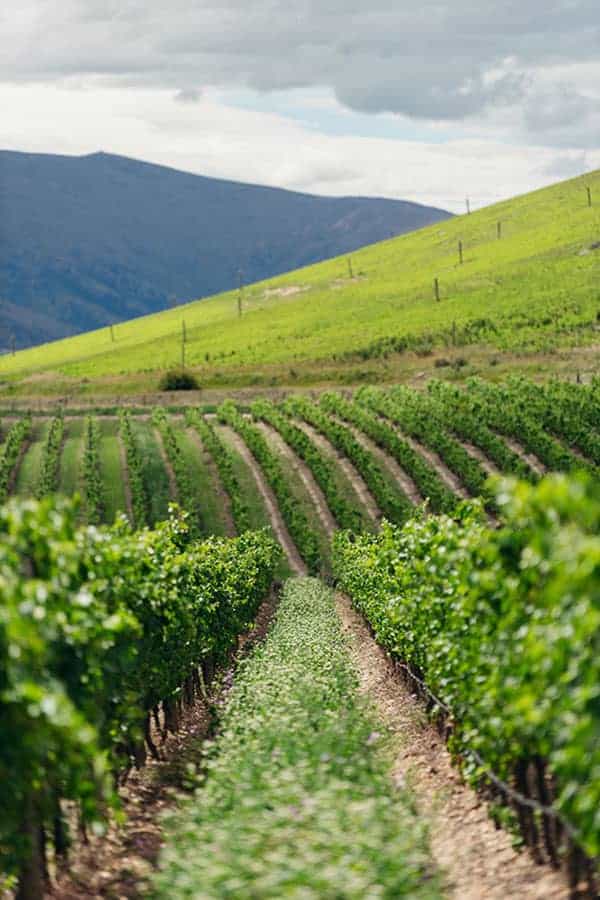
{"x":90,"y":240}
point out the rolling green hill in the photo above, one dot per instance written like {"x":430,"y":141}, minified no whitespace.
{"x":373,"y":316}
{"x":86,"y":241}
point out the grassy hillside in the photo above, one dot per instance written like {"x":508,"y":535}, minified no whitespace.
{"x":530,"y":292}
{"x":92,"y":240}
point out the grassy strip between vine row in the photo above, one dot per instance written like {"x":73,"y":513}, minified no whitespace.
{"x":294,"y":517}
{"x":92,"y":478}
{"x":185,"y":488}
{"x":393,"y":502}
{"x":15,"y":440}
{"x":140,"y":500}
{"x":295,"y":799}
{"x":504,"y":627}
{"x":430,"y":485}
{"x":106,"y":625}
{"x":48,"y":480}
{"x":223,"y":459}
{"x":322,"y":468}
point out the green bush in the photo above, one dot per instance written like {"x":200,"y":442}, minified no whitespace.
{"x":97,"y":627}
{"x":504,"y":626}
{"x":178,"y":380}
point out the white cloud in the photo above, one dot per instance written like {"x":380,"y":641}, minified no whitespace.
{"x":209,"y":137}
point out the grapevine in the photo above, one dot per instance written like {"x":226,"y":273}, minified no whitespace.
{"x":393,"y":502}
{"x":99,"y":626}
{"x":295,"y":519}
{"x":140,"y":500}
{"x":322,"y":468}
{"x":223,"y":460}
{"x":48,"y":480}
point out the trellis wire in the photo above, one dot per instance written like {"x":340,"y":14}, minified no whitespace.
{"x":580,"y":867}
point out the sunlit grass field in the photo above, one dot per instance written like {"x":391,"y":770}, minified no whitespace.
{"x":534,"y":288}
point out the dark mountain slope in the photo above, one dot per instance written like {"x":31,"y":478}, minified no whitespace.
{"x":89,"y":240}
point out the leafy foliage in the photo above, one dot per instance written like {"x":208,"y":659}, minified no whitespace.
{"x":503,"y":625}
{"x":439,"y":497}
{"x":294,"y":517}
{"x":507,"y":411}
{"x":449,"y":404}
{"x":97,"y":626}
{"x":391,"y":500}
{"x":48,"y":480}
{"x":185,"y":488}
{"x":295,"y":799}
{"x":92,"y":478}
{"x":140,"y":499}
{"x":561,"y":412}
{"x":322,"y":468}
{"x":405,"y":407}
{"x":178,"y":380}
{"x":13,"y":446}
{"x":223,"y":460}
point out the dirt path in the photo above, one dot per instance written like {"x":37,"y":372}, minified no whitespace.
{"x":299,"y":466}
{"x":282,"y":534}
{"x":478,"y":860}
{"x":388,"y":462}
{"x":435,"y":461}
{"x":532,"y":461}
{"x":126,"y":482}
{"x":215,"y":480}
{"x":481,"y":458}
{"x":118,"y":864}
{"x":360,"y":488}
{"x":173,"y":492}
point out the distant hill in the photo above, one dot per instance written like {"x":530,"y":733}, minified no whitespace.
{"x":524,"y":297}
{"x":85,"y":241}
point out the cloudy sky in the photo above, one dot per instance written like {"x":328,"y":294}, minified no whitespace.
{"x":431,"y":101}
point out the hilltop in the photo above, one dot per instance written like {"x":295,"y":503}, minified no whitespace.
{"x":92,"y":240}
{"x":528,"y":295}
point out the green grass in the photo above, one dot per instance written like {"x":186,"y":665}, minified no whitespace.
{"x":211,"y":508}
{"x":258,"y":516}
{"x":28,"y":475}
{"x":305,"y":502}
{"x":111,"y":470}
{"x":343,"y":483}
{"x":533,"y":290}
{"x":154,"y":471}
{"x":296,"y":800}
{"x":70,"y":471}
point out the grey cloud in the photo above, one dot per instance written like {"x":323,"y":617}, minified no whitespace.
{"x":437,"y":59}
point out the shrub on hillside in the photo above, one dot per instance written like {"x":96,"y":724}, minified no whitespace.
{"x":177,"y":380}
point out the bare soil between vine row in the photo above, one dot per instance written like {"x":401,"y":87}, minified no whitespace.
{"x":477,"y":860}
